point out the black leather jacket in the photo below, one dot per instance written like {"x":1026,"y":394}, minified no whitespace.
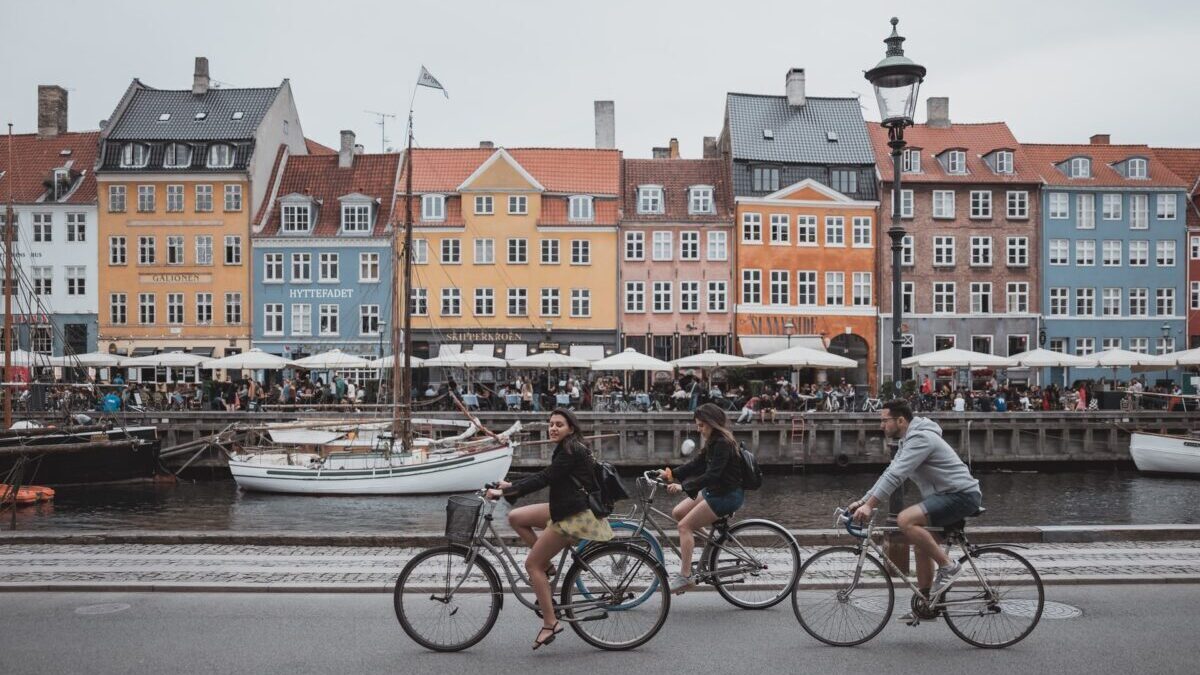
{"x":566,"y":498}
{"x":717,"y":467}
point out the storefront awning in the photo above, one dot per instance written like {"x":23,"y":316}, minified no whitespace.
{"x":588,"y":352}
{"x":448,"y":350}
{"x":761,"y":345}
{"x":515,"y":351}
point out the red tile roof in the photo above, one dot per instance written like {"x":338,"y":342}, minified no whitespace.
{"x":1185,"y":163}
{"x":319,"y":177}
{"x":454,"y":214}
{"x":564,"y":170}
{"x":676,"y":176}
{"x":1046,"y":156}
{"x":976,"y":139}
{"x":315,"y":148}
{"x":34,"y":160}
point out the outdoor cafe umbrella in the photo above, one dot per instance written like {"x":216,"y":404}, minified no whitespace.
{"x":88,"y":360}
{"x":387,"y":361}
{"x":805,"y":357}
{"x":1045,"y":358}
{"x":1187,"y":357}
{"x":631,"y":360}
{"x":24,"y":359}
{"x":466,"y":360}
{"x":255,"y":359}
{"x":167,"y":360}
{"x":958,"y":358}
{"x":712,"y":359}
{"x":549,"y":360}
{"x":332,"y":359}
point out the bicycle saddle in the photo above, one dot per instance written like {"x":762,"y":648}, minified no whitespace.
{"x":958,"y":526}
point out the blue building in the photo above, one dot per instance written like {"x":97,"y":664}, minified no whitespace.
{"x":1114,"y":257}
{"x":322,"y":252}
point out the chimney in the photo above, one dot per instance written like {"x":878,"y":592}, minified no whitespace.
{"x":711,"y":151}
{"x":487,"y":145}
{"x":660,"y":153}
{"x":937,"y":112}
{"x":674,"y":145}
{"x":606,"y":125}
{"x":346,"y":151}
{"x":52,"y":110}
{"x":200,"y":77}
{"x":1097,"y":139}
{"x":794,"y":87}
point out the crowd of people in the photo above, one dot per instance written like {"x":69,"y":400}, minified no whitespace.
{"x":1084,"y":395}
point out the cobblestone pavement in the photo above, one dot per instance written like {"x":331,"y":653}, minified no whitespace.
{"x":198,"y":566}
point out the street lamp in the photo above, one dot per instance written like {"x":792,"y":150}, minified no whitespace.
{"x":896,"y":80}
{"x":788,"y":329}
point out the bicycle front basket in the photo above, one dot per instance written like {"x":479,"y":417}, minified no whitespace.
{"x":462,"y":518}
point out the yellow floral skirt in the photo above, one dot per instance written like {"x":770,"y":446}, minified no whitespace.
{"x":582,"y":525}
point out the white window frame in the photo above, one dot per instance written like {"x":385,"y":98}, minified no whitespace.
{"x":1112,"y":253}
{"x":1017,"y":251}
{"x":1111,"y":205}
{"x":420,"y":252}
{"x":1164,"y":302}
{"x":433,"y":208}
{"x":662,"y":245}
{"x":1059,"y":206}
{"x":751,"y":228}
{"x":943,"y":204}
{"x":835,"y":289}
{"x":451,"y":304}
{"x":581,"y":209}
{"x":862,"y":232}
{"x":911,"y":161}
{"x":329,"y":320}
{"x":908,"y":251}
{"x":1139,"y":253}
{"x":956,"y":162}
{"x":752,"y":286}
{"x":549,"y":250}
{"x":1165,"y":253}
{"x":204,"y":198}
{"x":272,"y":318}
{"x":1016,"y":297}
{"x":1080,"y":167}
{"x":517,"y":250}
{"x":981,"y":291}
{"x":329,"y":267}
{"x":296,"y":218}
{"x":717,"y":248}
{"x":581,"y":252}
{"x":272,"y":268}
{"x":517,"y":302}
{"x":1016,"y":204}
{"x":835,"y":231}
{"x":718,"y":296}
{"x":944,"y":254}
{"x":635,"y":297}
{"x":1059,"y":301}
{"x":1136,"y":168}
{"x":781,"y":229}
{"x":945,"y":297}
{"x":806,"y":288}
{"x":981,"y":251}
{"x":689,"y":297}
{"x":368,"y":267}
{"x":484,"y":251}
{"x":233,"y":198}
{"x":549,"y":302}
{"x":485,"y":205}
{"x":1139,"y":302}
{"x":780,"y":288}
{"x":1111,"y":299}
{"x":1139,"y":212}
{"x":221,"y":156}
{"x":1165,"y":207}
{"x":484,"y":302}
{"x":518,"y":205}
{"x":862,"y":294}
{"x":581,"y":303}
{"x":301,"y":319}
{"x":981,"y":204}
{"x":635,"y":245}
{"x":1004,"y":162}
{"x":689,"y":245}
{"x":1085,"y":252}
{"x":1085,"y":301}
{"x":356,"y":218}
{"x":907,"y":201}
{"x":368,"y":316}
{"x":301,"y":261}
{"x":451,"y":251}
{"x":650,"y":199}
{"x":1085,"y":211}
{"x":700,"y":200}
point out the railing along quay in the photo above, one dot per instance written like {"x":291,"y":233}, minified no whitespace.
{"x":790,"y":442}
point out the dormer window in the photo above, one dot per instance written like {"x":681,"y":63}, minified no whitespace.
{"x":220,"y":156}
{"x":62,"y":184}
{"x":700,"y":199}
{"x":581,"y":209}
{"x":1081,"y":167}
{"x":297,"y":218}
{"x":135,"y":155}
{"x":912,"y":161}
{"x":650,"y":199}
{"x":1004,"y":161}
{"x":433,"y":207}
{"x":956,"y":161}
{"x":1135,"y":168}
{"x":178,"y":156}
{"x":356,"y":218}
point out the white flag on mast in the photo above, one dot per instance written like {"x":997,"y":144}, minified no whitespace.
{"x":428,"y":80}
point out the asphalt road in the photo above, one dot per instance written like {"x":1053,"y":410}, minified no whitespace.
{"x":1143,"y":629}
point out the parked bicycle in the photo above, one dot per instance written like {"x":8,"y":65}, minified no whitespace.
{"x":872,"y":404}
{"x":844,"y":595}
{"x":614,"y":595}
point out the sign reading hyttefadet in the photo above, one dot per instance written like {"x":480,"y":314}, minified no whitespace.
{"x":321,"y":293}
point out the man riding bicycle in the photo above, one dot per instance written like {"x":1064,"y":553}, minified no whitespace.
{"x":948,"y":490}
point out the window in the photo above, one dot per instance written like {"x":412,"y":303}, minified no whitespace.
{"x":451,"y":252}
{"x":1085,"y":346}
{"x":1111,"y":253}
{"x":273,"y":319}
{"x":635,"y":245}
{"x":1139,"y":218}
{"x":145,"y":199}
{"x":356,"y":218}
{"x":518,"y":302}
{"x":451,"y":302}
{"x":1085,"y":302}
{"x":661,"y":296}
{"x":485,"y":302}
{"x":433,"y":207}
{"x":329,"y":320}
{"x":844,"y":181}
{"x":981,"y":204}
{"x":862,"y":289}
{"x":581,"y":302}
{"x":1110,"y":343}
{"x":116,"y":250}
{"x":368,"y":267}
{"x":781,"y":287}
{"x":1111,"y":206}
{"x":806,"y":288}
{"x":943,"y":297}
{"x":204,"y":198}
{"x":134,"y":156}
{"x":689,"y":245}
{"x":174,"y":198}
{"x":1058,"y":205}
{"x":1085,"y":252}
{"x":908,"y":297}
{"x":907,"y":251}
{"x":1139,"y":302}
{"x":1139,"y":345}
{"x":301,"y":319}
{"x":295,"y":217}
{"x":177,"y":156}
{"x":689,"y":296}
{"x":233,"y":199}
{"x":146,"y":251}
{"x":700,"y":200}
{"x":806,"y":230}
{"x":76,"y":280}
{"x":752,"y":228}
{"x":116,"y":198}
{"x":981,"y":344}
{"x":956,"y":161}
{"x":420,"y":252}
{"x":1165,"y":207}
{"x":862,"y":231}
{"x":981,"y":297}
{"x":581,"y":252}
{"x":1195,"y":248}
{"x":781,"y":228}
{"x":1110,"y":302}
{"x":485,"y":251}
{"x":835,"y":231}
{"x":233,"y":310}
{"x":650,"y":199}
{"x":302,"y":267}
{"x":1018,"y":251}
{"x":581,"y":209}
{"x":518,"y":251}
{"x":329,"y":268}
{"x":204,"y":310}
{"x":1004,"y":162}
{"x":484,"y":205}
{"x":175,"y":249}
{"x":1060,"y":251}
{"x":549,"y":301}
{"x":204,"y":251}
{"x":1057,"y":345}
{"x":1163,"y":345}
{"x":550,"y":252}
{"x":1164,"y":302}
{"x":765,"y":179}
{"x":518,"y":205}
{"x":1016,"y":299}
{"x":906,"y":203}
{"x":943,"y":251}
{"x":1136,"y":168}
{"x":1164,"y":253}
{"x":718,"y":245}
{"x":981,"y":251}
{"x":233,"y":249}
{"x":420,"y":301}
{"x":717,"y":296}
{"x":220,"y":156}
{"x":752,"y":287}
{"x":662,"y":246}
{"x":1060,"y":301}
{"x":368,"y":319}
{"x":1139,"y":253}
{"x":145,"y":308}
{"x":1018,"y":204}
{"x":175,"y":309}
{"x":835,"y":288}
{"x":941,"y":342}
{"x":1195,"y":294}
{"x":635,"y":297}
{"x":1085,"y":209}
{"x":943,"y":203}
{"x":911,"y":161}
{"x":117,"y":309}
{"x":43,"y":227}
{"x":1081,"y":167}
{"x":43,"y":281}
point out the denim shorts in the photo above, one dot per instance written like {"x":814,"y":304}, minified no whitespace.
{"x":950,"y":507}
{"x":724,"y":505}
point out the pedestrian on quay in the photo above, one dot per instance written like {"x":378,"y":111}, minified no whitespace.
{"x":564,"y":521}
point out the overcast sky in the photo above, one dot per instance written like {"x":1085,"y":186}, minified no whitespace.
{"x":525,"y":73}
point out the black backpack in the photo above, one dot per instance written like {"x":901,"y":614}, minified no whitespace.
{"x":609,"y":489}
{"x":752,"y":475}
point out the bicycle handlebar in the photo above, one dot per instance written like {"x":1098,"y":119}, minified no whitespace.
{"x":653,"y":476}
{"x":845,"y":518}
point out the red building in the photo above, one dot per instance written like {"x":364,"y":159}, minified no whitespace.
{"x":1185,"y":163}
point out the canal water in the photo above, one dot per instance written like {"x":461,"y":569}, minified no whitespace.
{"x":1111,"y":496}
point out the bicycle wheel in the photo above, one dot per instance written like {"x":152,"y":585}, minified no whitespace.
{"x":1001,"y":610}
{"x":837,"y":606}
{"x":767,"y":559}
{"x":623,"y":532}
{"x":443,"y":604}
{"x":614,"y":575}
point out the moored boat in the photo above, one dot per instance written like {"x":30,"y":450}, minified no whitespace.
{"x":1164,"y":453}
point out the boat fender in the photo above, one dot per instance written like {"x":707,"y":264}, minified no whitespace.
{"x":841,"y":460}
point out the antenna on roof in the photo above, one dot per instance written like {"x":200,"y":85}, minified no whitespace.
{"x":382,"y":122}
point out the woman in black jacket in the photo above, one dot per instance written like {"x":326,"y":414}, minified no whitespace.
{"x":564,"y":521}
{"x":713,"y":482}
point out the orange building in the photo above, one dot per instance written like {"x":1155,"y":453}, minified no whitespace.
{"x":805,"y":259}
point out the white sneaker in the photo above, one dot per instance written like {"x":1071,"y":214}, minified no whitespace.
{"x":680,"y":583}
{"x":944,"y":576}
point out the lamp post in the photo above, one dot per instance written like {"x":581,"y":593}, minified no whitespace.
{"x":788,"y":329}
{"x":896,"y":80}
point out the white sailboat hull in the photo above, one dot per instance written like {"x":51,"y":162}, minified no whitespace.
{"x":1159,"y":453}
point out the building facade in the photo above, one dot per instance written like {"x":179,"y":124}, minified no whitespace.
{"x":1185,"y":163}
{"x":1113,"y":251}
{"x":181,"y":173}
{"x":676,"y":257}
{"x":969,"y":202}
{"x":322,"y":251}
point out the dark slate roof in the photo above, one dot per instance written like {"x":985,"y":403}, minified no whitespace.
{"x":139,"y":120}
{"x":110,"y":158}
{"x":800,"y":133}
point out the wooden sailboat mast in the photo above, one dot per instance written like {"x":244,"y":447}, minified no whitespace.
{"x":9,"y":225}
{"x":402,"y":330}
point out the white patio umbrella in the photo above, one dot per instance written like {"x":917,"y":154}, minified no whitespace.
{"x":386,"y":361}
{"x":631,"y":360}
{"x":958,"y":358}
{"x":549,"y":360}
{"x":255,"y":359}
{"x":334,"y":358}
{"x":89,"y":360}
{"x":712,"y":359}
{"x":1187,"y":357}
{"x":805,"y":357}
{"x":1044,"y":358}
{"x":166,"y":359}
{"x":24,"y":359}
{"x":466,"y":360}
{"x":1122,"y":358}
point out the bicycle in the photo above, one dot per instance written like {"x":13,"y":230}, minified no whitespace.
{"x":604,"y":592}
{"x":871,"y":404}
{"x":752,"y":563}
{"x":844,"y":596}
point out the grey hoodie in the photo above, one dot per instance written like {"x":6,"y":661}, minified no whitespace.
{"x":928,"y":460}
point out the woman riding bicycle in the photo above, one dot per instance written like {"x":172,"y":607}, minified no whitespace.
{"x":713,"y":483}
{"x":564,"y":521}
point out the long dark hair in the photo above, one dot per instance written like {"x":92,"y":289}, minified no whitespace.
{"x":575,"y":441}
{"x":713,"y":416}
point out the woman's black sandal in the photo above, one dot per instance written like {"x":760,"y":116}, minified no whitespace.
{"x":553,"y":630}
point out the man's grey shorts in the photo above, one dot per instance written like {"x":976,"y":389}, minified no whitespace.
{"x":950,"y":507}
